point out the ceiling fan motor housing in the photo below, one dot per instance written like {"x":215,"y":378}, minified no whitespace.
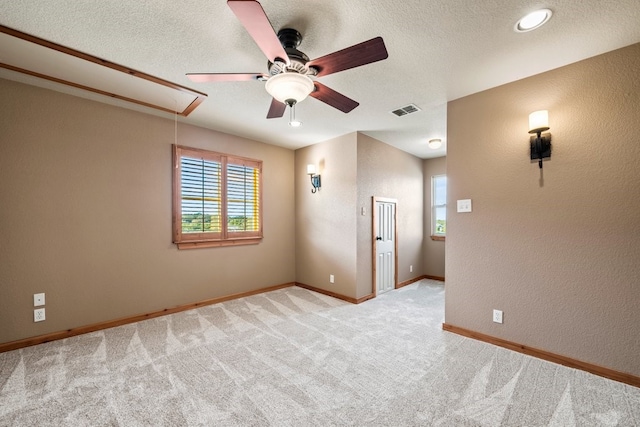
{"x":290,"y":40}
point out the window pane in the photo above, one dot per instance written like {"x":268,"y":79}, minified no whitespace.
{"x":439,"y":205}
{"x":440,"y":190}
{"x":243,"y":198}
{"x":200,"y":195}
{"x":440,"y":221}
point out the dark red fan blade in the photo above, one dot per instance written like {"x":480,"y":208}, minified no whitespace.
{"x":333,"y":98}
{"x":276,"y":110}
{"x":222,"y":77}
{"x":255,"y":21}
{"x":360,"y":54}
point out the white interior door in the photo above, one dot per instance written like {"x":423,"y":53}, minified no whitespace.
{"x":385,"y":245}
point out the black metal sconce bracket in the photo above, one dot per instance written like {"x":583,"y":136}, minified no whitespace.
{"x":540,"y":147}
{"x":315,"y":182}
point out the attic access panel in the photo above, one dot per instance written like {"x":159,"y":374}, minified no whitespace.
{"x":37,"y":57}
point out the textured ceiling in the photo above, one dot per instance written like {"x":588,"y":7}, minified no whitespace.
{"x":439,"y":50}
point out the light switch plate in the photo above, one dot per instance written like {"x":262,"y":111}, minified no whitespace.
{"x":464,"y":205}
{"x":38,"y":300}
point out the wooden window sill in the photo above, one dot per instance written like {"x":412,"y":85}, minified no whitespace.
{"x":438,"y":238}
{"x":218,"y":243}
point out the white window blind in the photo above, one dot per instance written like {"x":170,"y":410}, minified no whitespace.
{"x":243,"y":201}
{"x":217,"y":199}
{"x":201,"y":203}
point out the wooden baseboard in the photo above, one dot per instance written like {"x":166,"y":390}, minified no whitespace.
{"x":416,"y":279}
{"x":40,"y":339}
{"x":546,"y":355}
{"x":334,"y":294}
{"x":424,"y":276}
{"x":365,"y":298}
{"x":410,"y":281}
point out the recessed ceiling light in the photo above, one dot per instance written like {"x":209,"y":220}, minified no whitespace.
{"x":434,"y":144}
{"x":533,"y":20}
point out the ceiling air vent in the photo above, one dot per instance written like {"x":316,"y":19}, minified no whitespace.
{"x":403,"y":111}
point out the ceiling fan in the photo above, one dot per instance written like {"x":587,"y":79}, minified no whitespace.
{"x":288,"y":79}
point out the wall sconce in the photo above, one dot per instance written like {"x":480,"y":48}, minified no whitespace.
{"x":315,"y":178}
{"x":540,"y":145}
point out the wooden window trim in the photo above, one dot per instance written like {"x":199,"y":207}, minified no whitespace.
{"x":438,"y":238}
{"x":224,"y":237}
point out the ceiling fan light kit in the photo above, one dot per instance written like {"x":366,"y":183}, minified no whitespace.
{"x":289,"y":87}
{"x":290,"y":70}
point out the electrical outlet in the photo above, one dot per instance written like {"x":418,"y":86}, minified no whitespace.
{"x":497,"y":316}
{"x":38,"y":300}
{"x":331,"y":278}
{"x":411,"y":269}
{"x":38,"y":315}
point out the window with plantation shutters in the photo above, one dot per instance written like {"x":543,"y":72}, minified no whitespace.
{"x":217,"y":199}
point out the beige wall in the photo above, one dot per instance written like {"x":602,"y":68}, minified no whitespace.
{"x":326,"y":220}
{"x":85,"y":215}
{"x":558,"y":250}
{"x":434,"y":250}
{"x":332,"y":237}
{"x":385,"y":171}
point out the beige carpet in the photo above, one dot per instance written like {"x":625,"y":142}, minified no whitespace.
{"x":297,"y":358}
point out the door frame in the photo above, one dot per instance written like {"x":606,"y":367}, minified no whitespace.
{"x":374,"y":229}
